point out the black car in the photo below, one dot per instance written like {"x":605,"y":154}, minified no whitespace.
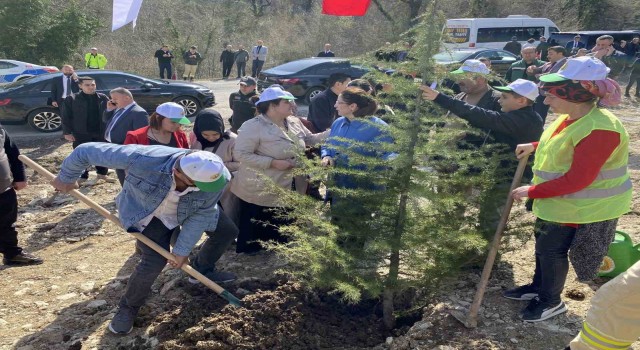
{"x":307,"y":77}
{"x":29,"y":100}
{"x":501,"y":60}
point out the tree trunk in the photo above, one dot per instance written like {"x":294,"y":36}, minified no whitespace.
{"x":387,"y":309}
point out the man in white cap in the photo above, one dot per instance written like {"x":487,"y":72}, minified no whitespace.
{"x":165,"y":188}
{"x":516,"y":122}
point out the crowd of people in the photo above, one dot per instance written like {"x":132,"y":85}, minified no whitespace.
{"x":228,"y":58}
{"x":177,"y":187}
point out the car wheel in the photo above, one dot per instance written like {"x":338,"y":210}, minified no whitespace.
{"x":190,"y":104}
{"x":45,"y":119}
{"x":313,"y":92}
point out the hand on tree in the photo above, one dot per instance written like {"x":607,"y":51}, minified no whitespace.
{"x":19,"y":185}
{"x":63,"y":187}
{"x":520,"y":193}
{"x":428,"y":93}
{"x":524,"y":149}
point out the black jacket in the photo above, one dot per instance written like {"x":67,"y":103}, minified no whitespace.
{"x":322,"y":112}
{"x":514,"y":47}
{"x":161,"y":59}
{"x":243,"y":109}
{"x":326,"y":54}
{"x":75,"y":114}
{"x":512,"y":128}
{"x":227,"y":56}
{"x":133,"y":119}
{"x":11,"y":168}
{"x":509,"y":128}
{"x":57,"y":89}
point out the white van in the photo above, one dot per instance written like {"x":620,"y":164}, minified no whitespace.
{"x":495,"y":32}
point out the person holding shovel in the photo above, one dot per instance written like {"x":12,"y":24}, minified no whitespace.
{"x":165,"y":188}
{"x":581,"y":184}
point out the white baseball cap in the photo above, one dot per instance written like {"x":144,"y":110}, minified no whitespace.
{"x":173,"y":111}
{"x":472,"y":66}
{"x":206,"y":170}
{"x":521,"y":87}
{"x":273,"y":93}
{"x":579,"y":68}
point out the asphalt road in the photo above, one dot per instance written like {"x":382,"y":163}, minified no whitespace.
{"x":221,"y":89}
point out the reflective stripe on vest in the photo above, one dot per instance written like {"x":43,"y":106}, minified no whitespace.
{"x":603,"y":175}
{"x":599,"y":341}
{"x":596,"y":193}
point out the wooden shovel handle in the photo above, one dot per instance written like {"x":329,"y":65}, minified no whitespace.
{"x":107,"y":214}
{"x":472,"y":317}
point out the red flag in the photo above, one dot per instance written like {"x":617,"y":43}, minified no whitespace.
{"x":345,"y":7}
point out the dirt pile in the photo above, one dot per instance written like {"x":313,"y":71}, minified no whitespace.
{"x":283,"y":315}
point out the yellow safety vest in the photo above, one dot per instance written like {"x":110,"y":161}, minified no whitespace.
{"x":607,"y":197}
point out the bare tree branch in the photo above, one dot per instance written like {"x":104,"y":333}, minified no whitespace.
{"x":384,"y":12}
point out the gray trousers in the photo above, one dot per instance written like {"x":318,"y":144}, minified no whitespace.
{"x":152,"y":263}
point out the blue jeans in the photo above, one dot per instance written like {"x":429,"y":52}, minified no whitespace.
{"x":152,"y":263}
{"x":552,"y":263}
{"x":165,"y":67}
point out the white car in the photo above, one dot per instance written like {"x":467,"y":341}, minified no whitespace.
{"x":11,"y":70}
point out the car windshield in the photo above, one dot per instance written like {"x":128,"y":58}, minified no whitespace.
{"x":451,"y":56}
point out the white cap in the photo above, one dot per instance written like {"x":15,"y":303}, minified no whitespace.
{"x":521,"y":87}
{"x":579,"y":68}
{"x":206,"y":170}
{"x":472,"y":66}
{"x":273,"y":93}
{"x":173,"y":111}
{"x":94,"y":48}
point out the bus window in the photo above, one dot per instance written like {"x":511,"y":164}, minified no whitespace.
{"x":487,"y":35}
{"x":533,"y":32}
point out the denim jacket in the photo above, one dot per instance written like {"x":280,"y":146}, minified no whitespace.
{"x":149,"y":179}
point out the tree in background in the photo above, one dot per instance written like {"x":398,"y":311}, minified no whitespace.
{"x":35,"y":31}
{"x":408,"y":224}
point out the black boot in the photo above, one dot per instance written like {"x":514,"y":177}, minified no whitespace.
{"x":22,"y":259}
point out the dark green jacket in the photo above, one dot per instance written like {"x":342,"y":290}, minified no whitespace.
{"x":518,"y":70}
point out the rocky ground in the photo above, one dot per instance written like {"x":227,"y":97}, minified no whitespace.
{"x":67,"y":302}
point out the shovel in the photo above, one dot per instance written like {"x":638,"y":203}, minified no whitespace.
{"x":471,"y":319}
{"x":107,"y":214}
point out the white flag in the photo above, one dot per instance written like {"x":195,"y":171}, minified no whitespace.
{"x":125,"y":12}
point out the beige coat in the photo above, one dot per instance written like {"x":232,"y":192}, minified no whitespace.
{"x":224,"y":151}
{"x":259,"y":142}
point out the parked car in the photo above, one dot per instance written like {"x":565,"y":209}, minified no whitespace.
{"x":589,"y":37}
{"x":501,"y":60}
{"x":11,"y":70}
{"x":30,"y":100}
{"x":307,"y":77}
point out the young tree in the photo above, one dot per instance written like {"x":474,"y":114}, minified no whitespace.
{"x":406,"y":223}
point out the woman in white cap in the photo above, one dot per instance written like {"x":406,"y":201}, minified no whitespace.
{"x":164,"y":128}
{"x":268,"y":147}
{"x":581,"y":185}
